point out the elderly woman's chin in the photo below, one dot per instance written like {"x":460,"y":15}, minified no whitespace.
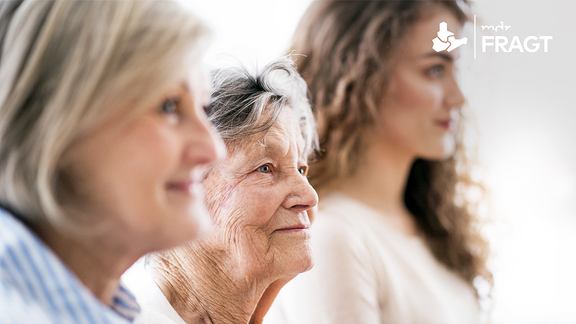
{"x":294,"y":255}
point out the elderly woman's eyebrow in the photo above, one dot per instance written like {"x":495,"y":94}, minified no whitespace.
{"x":275,"y":149}
{"x":272,"y":148}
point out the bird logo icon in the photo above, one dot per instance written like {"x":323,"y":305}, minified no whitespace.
{"x":446,"y":40}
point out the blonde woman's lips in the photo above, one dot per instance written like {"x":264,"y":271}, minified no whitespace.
{"x":447,"y":123}
{"x":187,"y":187}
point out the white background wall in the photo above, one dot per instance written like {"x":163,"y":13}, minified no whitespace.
{"x":525,"y":109}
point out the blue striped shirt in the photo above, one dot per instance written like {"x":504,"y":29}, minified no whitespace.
{"x":37,"y":288}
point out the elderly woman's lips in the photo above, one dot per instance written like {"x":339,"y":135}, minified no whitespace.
{"x":294,"y":228}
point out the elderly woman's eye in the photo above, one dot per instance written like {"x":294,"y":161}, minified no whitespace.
{"x":264,"y":168}
{"x":303,"y":170}
{"x":169,"y":106}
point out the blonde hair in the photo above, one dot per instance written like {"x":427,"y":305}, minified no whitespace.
{"x":347,"y":50}
{"x":63,"y":64}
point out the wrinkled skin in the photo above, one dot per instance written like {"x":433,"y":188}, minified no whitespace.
{"x":262,"y":206}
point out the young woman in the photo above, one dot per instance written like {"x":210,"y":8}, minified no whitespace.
{"x":103,"y":144}
{"x":395,"y":240}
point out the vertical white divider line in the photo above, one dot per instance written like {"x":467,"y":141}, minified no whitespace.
{"x":474,"y":36}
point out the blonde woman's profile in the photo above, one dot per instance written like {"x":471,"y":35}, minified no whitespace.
{"x":103,"y":140}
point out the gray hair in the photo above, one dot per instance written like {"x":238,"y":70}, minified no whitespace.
{"x":240,"y":98}
{"x":64,"y":66}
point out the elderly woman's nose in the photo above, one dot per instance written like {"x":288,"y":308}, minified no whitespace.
{"x":302,"y":196}
{"x":204,"y":145}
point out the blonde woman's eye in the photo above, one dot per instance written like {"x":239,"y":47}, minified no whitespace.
{"x":169,"y":106}
{"x":303,"y":170}
{"x":264,"y":168}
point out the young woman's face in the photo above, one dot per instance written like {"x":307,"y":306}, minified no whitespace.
{"x":421,"y":105}
{"x":142,"y":175}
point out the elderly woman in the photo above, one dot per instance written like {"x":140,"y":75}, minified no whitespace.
{"x":260,"y":201}
{"x":103,"y":142}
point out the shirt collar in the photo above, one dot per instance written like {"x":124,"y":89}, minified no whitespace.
{"x":63,"y":284}
{"x":124,"y":303}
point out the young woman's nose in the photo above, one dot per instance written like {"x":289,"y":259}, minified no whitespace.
{"x":454,"y":96}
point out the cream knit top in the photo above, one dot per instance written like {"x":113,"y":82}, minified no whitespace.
{"x":368,"y":273}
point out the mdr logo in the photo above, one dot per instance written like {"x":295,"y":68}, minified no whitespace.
{"x":499,"y":42}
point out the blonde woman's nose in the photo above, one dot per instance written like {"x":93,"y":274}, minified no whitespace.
{"x":205,"y":146}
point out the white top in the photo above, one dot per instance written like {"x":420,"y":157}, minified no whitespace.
{"x":155,"y":308}
{"x":368,"y":273}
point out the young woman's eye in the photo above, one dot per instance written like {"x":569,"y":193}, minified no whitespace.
{"x":169,"y":106}
{"x":436,"y":71}
{"x":303,"y":170}
{"x":264,"y":168}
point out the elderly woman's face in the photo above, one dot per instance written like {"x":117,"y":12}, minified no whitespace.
{"x":142,"y":175}
{"x":262,"y":201}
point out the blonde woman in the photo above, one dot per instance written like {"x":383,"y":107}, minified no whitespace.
{"x":103,"y":143}
{"x":395,"y":239}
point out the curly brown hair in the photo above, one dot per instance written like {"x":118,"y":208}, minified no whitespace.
{"x":348,"y":48}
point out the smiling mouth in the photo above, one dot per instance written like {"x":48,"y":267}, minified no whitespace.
{"x":295,"y":228}
{"x":447,"y":124}
{"x":188,"y":188}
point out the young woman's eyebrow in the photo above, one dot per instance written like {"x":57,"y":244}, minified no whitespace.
{"x":446,"y":57}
